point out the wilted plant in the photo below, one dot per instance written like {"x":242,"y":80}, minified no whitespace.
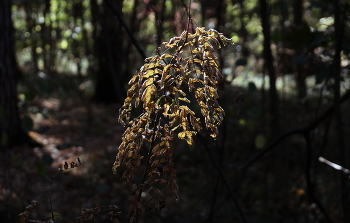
{"x":165,"y":85}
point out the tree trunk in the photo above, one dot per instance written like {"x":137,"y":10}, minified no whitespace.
{"x":274,"y":103}
{"x":46,"y":39}
{"x":339,"y":28}
{"x":300,"y":74}
{"x":277,"y":163}
{"x":10,"y":125}
{"x":30,"y":22}
{"x":159,"y":14}
{"x":108,"y":51}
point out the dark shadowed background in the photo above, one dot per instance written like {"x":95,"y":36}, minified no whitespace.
{"x":64,"y":72}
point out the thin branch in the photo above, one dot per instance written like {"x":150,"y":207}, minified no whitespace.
{"x":325,"y":137}
{"x":127,"y":29}
{"x":224,"y":178}
{"x":156,"y":124}
{"x":221,"y":149}
{"x":268,"y":63}
{"x":295,"y":131}
{"x":333,"y":165}
{"x":309,"y":183}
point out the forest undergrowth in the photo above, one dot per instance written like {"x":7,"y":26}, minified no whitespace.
{"x":69,"y":126}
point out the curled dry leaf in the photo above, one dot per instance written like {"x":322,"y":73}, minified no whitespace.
{"x":65,"y":165}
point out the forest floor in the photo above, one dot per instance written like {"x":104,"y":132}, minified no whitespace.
{"x":70,"y":126}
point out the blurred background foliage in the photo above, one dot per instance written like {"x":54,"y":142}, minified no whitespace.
{"x":76,"y":59}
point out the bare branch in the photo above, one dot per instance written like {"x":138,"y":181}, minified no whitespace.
{"x":127,"y":29}
{"x":295,"y":131}
{"x":333,"y":165}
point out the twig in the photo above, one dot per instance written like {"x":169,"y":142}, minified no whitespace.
{"x":216,"y":187}
{"x":325,"y":137}
{"x":310,"y":184}
{"x":221,"y":149}
{"x":50,"y":198}
{"x":333,"y":165}
{"x":127,"y":29}
{"x":156,"y":122}
{"x":295,"y":131}
{"x":224,"y":179}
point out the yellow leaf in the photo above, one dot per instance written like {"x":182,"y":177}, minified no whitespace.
{"x":208,"y":47}
{"x":148,"y":59}
{"x":147,"y":82}
{"x":165,"y":55}
{"x":185,"y":100}
{"x":195,"y":123}
{"x":147,"y":94}
{"x":218,"y":45}
{"x":214,"y":63}
{"x":153,"y":65}
{"x":187,"y":135}
{"x":200,"y":31}
{"x":195,"y":51}
{"x":184,"y":34}
{"x":180,"y":91}
{"x":131,"y":91}
{"x":149,"y":73}
{"x":195,"y":61}
{"x":137,"y":101}
{"x":212,"y":32}
{"x":133,"y":79}
{"x":167,"y":68}
{"x":225,"y":40}
{"x":186,"y":110}
{"x":169,"y":45}
{"x":165,"y":73}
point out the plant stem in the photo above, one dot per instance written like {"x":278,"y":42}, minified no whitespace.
{"x":156,"y":122}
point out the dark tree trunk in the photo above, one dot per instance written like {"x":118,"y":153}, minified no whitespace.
{"x":242,"y":31}
{"x":108,"y":50}
{"x":77,"y":20}
{"x":10,"y":125}
{"x":33,"y":40}
{"x":274,"y":103}
{"x":277,"y":163}
{"x":300,"y":74}
{"x":339,"y":27}
{"x":45,"y":33}
{"x":134,"y":28}
{"x":159,"y":14}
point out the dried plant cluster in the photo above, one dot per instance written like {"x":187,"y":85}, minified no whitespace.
{"x":166,"y":84}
